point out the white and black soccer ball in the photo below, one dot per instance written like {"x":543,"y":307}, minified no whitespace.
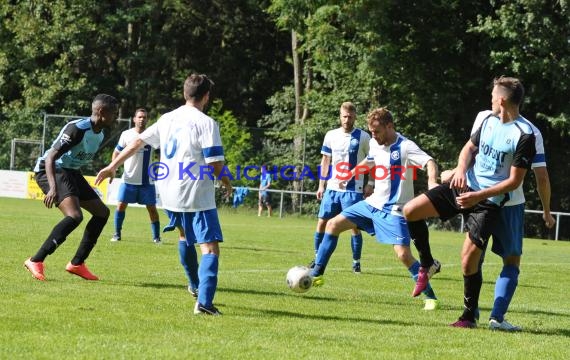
{"x":299,"y":279}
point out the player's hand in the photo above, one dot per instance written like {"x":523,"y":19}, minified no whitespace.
{"x":49,"y":199}
{"x":342,"y":184}
{"x":459,"y":182}
{"x":468,"y":199}
{"x":104,"y":173}
{"x":320,"y":193}
{"x":229,"y":190}
{"x":549,"y":220}
{"x":368,"y":190}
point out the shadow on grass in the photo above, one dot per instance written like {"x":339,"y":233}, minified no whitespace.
{"x":550,"y":332}
{"x":276,"y":293}
{"x":226,"y":248}
{"x":290,"y":314}
{"x":540,"y":312}
{"x":160,"y":285}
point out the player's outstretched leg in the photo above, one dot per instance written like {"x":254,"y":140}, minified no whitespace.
{"x":323,"y":256}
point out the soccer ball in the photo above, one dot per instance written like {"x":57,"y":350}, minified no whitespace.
{"x":299,"y":279}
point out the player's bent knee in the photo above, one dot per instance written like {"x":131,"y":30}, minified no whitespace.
{"x":338,"y":224}
{"x":78,"y":217}
{"x":105,"y":212}
{"x":408,"y":212}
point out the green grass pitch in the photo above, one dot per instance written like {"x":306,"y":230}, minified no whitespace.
{"x":140,"y":308}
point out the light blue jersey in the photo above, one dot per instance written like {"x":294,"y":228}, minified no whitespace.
{"x":539,"y":160}
{"x":501,"y":145}
{"x":79,"y":144}
{"x":265,"y":180}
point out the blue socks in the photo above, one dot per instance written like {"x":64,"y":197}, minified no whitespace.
{"x":155,"y":227}
{"x":356,"y":245}
{"x":208,"y":274}
{"x":414,"y":269}
{"x":189,"y":261}
{"x":326,"y":249}
{"x":119,"y":218}
{"x":504,"y":290}
{"x":318,"y":240}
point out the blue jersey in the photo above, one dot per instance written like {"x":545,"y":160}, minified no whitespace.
{"x":501,"y":146}
{"x":265,"y":180}
{"x":77,"y":142}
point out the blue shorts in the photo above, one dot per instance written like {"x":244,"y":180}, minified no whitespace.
{"x":509,"y":232}
{"x":141,"y":194}
{"x":388,"y":228}
{"x":199,"y":226}
{"x":334,"y":202}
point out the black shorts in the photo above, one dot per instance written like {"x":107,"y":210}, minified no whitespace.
{"x":479,"y":220}
{"x":69,"y":183}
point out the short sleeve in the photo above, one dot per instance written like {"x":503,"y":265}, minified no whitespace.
{"x":211,"y":142}
{"x":151,"y":135}
{"x":70,"y":136}
{"x":524,"y":152}
{"x":416,"y":156}
{"x":326,"y":149}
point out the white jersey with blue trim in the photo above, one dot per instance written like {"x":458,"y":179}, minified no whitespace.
{"x":188,"y":140}
{"x":135,"y":167}
{"x":79,"y":143}
{"x":500,"y":146}
{"x":346,"y":151}
{"x":395,"y":167}
{"x":539,"y":160}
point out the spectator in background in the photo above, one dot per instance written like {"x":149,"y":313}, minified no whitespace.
{"x":264,"y":195}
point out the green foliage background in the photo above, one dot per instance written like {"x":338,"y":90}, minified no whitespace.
{"x":430,"y":62}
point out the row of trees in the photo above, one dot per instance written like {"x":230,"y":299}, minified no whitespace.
{"x":284,"y":66}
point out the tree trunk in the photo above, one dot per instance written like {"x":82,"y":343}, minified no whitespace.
{"x":301,"y":114}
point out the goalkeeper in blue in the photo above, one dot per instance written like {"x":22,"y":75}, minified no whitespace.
{"x":392,"y":161}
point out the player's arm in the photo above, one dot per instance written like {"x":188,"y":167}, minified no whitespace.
{"x":218,"y":167}
{"x":325,"y":168}
{"x":110,"y":170}
{"x":267,"y":184}
{"x":543,"y":187}
{"x":49,"y":164}
{"x":115,"y":154}
{"x":70,"y":137}
{"x":459,"y":180}
{"x":521,"y":163}
{"x":432,"y":173}
{"x":471,"y":198}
